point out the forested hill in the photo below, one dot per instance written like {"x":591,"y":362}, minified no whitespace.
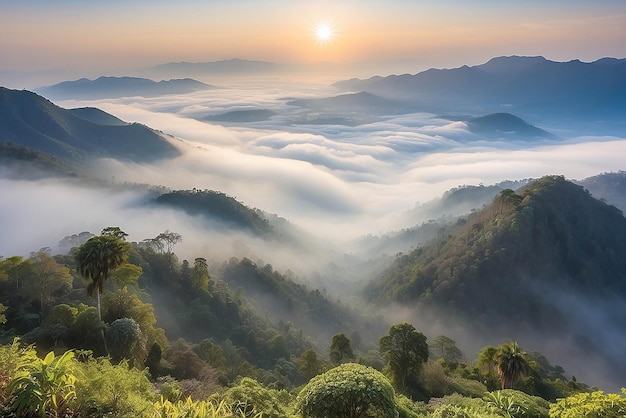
{"x":551,"y":234}
{"x":548,"y":258}
{"x":218,"y":206}
{"x":30,"y":120}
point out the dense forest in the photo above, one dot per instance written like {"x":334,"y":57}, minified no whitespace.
{"x":127,"y":329}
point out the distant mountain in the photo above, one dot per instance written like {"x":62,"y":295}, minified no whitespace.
{"x":243,"y":116}
{"x":543,"y":262}
{"x":114,"y":87}
{"x":505,"y":126}
{"x":28,"y":119}
{"x":234,"y":65}
{"x":610,"y":187}
{"x":534,"y":87}
{"x":362,"y":102}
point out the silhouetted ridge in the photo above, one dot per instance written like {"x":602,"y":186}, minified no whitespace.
{"x":217,"y":206}
{"x":30,"y":120}
{"x":534,"y":87}
{"x":98,"y":116}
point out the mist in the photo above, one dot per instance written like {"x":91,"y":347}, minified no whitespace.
{"x":320,"y":176}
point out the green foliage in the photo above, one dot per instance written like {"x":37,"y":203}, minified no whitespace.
{"x":445,"y":348}
{"x":590,"y":405}
{"x":123,"y":304}
{"x":126,"y":341}
{"x":340,"y":349}
{"x":196,"y":409}
{"x":406,"y":351}
{"x":3,"y":319}
{"x":349,"y":390}
{"x":43,"y":386}
{"x":104,"y":389}
{"x":249,"y":398}
{"x":439,"y":384}
{"x":409,"y":409}
{"x":504,"y":405}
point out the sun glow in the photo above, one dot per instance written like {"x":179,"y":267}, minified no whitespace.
{"x":324,"y":32}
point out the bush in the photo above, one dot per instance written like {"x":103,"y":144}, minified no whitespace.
{"x":349,"y":390}
{"x":595,"y":404}
{"x":249,"y":398}
{"x":107,"y":389}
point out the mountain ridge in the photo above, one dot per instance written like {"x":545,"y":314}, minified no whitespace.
{"x":532,"y":87}
{"x":29,"y":119}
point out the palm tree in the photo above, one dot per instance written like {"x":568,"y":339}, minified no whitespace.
{"x":512,"y":364}
{"x":97,"y":258}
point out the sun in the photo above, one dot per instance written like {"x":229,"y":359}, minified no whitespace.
{"x":324,"y":32}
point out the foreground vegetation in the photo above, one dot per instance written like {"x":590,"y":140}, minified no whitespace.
{"x":222,"y":346}
{"x":76,"y":384}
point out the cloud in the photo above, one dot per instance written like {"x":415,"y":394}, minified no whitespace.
{"x":322,"y":176}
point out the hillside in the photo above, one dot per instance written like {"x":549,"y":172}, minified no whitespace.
{"x":98,"y":116}
{"x":27,"y":163}
{"x":608,"y":186}
{"x":217,"y":206}
{"x":520,"y":265}
{"x":28,"y":119}
{"x":114,"y":87}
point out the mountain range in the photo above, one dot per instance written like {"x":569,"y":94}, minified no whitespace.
{"x":28,"y":119}
{"x":235,"y":65}
{"x":115,"y":87}
{"x":532,"y":87}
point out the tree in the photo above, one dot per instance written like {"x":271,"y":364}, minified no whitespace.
{"x":487,"y":357}
{"x":200,"y":274}
{"x":340,"y":349}
{"x":48,"y":277}
{"x":127,"y":341}
{"x":445,"y":348}
{"x":165,"y":241}
{"x":512,"y":364}
{"x":405,"y":350}
{"x":98,"y":258}
{"x":309,"y":365}
{"x":351,"y":391}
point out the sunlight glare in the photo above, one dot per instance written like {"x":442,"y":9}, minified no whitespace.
{"x":323,"y":32}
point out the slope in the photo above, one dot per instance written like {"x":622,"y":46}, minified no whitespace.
{"x":520,"y":266}
{"x":30,"y":120}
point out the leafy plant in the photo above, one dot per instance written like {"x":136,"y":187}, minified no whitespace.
{"x":590,"y":405}
{"x":503,"y":404}
{"x":43,"y":386}
{"x":199,"y":409}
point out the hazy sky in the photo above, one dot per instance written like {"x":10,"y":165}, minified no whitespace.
{"x":115,"y":34}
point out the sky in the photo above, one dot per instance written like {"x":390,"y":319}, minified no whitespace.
{"x":391,"y":36}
